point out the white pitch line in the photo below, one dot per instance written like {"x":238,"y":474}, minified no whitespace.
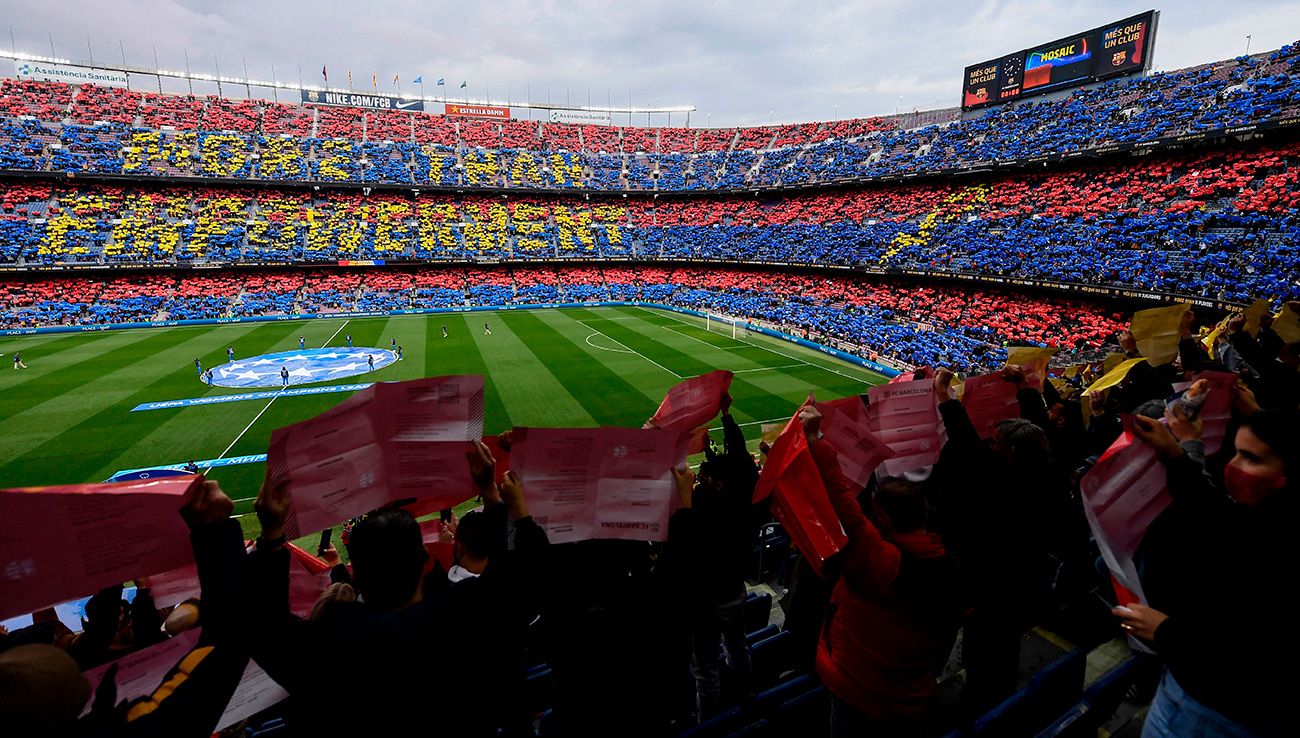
{"x":632,"y":350}
{"x":605,"y":348}
{"x":331,"y":338}
{"x":674,"y":329}
{"x":752,"y":422}
{"x":245,"y":430}
{"x":668,"y":314}
{"x":770,"y":368}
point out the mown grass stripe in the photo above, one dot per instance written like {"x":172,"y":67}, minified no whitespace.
{"x":134,"y":437}
{"x":751,"y":400}
{"x":534,"y":394}
{"x":639,"y":372}
{"x":608,"y":398}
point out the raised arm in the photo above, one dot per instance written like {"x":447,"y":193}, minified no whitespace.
{"x":869,"y":560}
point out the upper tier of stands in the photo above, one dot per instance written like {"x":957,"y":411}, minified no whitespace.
{"x":49,"y":126}
{"x":1219,"y":225}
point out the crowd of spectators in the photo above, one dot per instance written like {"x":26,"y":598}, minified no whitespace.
{"x":518,"y":636}
{"x":57,"y":120}
{"x":1219,"y":224}
{"x":905,"y":324}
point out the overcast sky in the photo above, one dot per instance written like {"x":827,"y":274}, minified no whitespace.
{"x":738,"y":62}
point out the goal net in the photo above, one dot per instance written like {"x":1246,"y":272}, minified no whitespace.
{"x":725,"y":325}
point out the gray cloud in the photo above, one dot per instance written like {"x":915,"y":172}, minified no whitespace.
{"x":735,"y":61}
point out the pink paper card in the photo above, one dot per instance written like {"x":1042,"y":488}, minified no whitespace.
{"x":583,"y":483}
{"x":692,"y":403}
{"x":60,"y":543}
{"x":392,"y":441}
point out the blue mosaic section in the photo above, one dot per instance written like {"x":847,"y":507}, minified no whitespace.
{"x":305,"y":366}
{"x":265,"y":395}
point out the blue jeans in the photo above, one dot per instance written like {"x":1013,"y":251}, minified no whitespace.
{"x":1176,"y":714}
{"x":721,"y":629}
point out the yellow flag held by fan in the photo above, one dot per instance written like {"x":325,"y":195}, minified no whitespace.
{"x":1157,"y":332}
{"x":1113,"y":377}
{"x":1287,"y":323}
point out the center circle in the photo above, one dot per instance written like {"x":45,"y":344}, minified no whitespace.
{"x":305,"y":366}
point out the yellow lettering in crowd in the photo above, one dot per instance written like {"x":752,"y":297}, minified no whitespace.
{"x":523,"y":170}
{"x":145,"y":230}
{"x":156,"y":151}
{"x":434,"y":221}
{"x":574,"y":228}
{"x":218,"y":221}
{"x":481,"y":168}
{"x":391,"y":234}
{"x":74,"y":228}
{"x":333,"y":159}
{"x":224,"y":155}
{"x":486,"y":232}
{"x":276,"y":226}
{"x":566,"y":172}
{"x":610,"y":216}
{"x":281,"y":158}
{"x":530,"y":227}
{"x":439,"y":162}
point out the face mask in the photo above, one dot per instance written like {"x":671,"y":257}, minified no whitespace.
{"x":1250,"y":489}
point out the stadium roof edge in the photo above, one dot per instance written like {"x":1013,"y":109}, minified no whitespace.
{"x":282,"y":85}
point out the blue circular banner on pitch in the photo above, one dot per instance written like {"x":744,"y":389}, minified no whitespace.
{"x":305,"y":366}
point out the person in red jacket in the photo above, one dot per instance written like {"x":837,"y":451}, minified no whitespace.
{"x":895,"y":609}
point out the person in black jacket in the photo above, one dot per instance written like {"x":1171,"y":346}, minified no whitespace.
{"x":1002,"y":507}
{"x":501,"y":560}
{"x":717,"y":548}
{"x":395,"y":638}
{"x":1214,"y":568}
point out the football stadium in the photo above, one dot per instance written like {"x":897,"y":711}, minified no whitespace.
{"x":370,"y":408}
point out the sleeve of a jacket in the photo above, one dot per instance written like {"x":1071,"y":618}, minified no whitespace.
{"x":146,"y":626}
{"x":733,"y":439}
{"x":1192,"y":354}
{"x":221,"y":561}
{"x":869,"y":559}
{"x":1032,"y":407}
{"x":963,"y":440}
{"x":1186,"y":477}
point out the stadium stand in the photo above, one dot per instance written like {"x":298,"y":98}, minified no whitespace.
{"x":1215,"y":224}
{"x":1252,"y":90}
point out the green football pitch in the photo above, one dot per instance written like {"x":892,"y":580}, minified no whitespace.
{"x":67,"y":418}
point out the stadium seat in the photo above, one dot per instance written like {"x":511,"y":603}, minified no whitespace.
{"x":1048,"y":693}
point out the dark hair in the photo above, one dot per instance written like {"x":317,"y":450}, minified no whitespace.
{"x":1023,"y":437}
{"x":388,"y":557}
{"x":1280,"y":429}
{"x":904,"y":501}
{"x":474,"y":534}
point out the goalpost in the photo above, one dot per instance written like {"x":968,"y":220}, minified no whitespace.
{"x":725,"y":325}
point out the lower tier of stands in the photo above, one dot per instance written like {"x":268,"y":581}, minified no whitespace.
{"x":908,"y":325}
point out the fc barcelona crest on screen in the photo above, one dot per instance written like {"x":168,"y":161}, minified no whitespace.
{"x":1118,"y":59}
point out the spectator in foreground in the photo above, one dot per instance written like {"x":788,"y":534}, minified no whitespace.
{"x":409,"y":638}
{"x":717,"y":541}
{"x":1214,"y":566}
{"x":895,"y":610}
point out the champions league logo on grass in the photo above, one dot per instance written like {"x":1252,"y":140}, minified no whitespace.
{"x":305,"y":366}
